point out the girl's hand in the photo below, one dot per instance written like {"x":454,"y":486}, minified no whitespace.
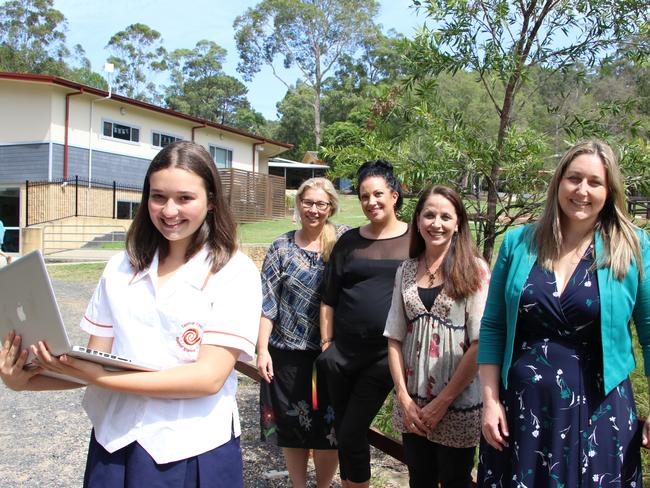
{"x":412,"y":416}
{"x":433,"y":412}
{"x":12,"y":363}
{"x":265,"y":365}
{"x":86,"y":371}
{"x":495,"y":427}
{"x":645,"y":440}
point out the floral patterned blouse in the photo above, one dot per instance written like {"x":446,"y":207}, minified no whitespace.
{"x":433,"y":344}
{"x":291,"y":280}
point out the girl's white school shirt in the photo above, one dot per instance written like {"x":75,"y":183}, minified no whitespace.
{"x":166,"y":326}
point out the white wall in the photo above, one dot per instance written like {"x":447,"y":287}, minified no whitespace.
{"x":35,"y":112}
{"x":24,"y":112}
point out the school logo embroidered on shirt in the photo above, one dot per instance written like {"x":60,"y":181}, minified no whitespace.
{"x":190,"y":339}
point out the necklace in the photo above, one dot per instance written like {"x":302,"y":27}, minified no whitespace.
{"x":430,"y":275}
{"x":578,"y":253}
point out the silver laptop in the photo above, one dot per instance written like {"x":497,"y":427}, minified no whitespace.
{"x":28,"y":306}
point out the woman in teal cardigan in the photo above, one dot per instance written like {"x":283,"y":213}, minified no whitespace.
{"x":555,"y":346}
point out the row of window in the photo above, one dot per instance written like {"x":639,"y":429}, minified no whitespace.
{"x":222,"y":157}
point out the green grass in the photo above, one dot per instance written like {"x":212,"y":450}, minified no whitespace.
{"x":112,"y":245}
{"x":86,"y":272}
{"x":265,"y":232}
{"x":640,"y":387}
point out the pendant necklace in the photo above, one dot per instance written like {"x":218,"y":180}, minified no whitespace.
{"x":432,"y":276}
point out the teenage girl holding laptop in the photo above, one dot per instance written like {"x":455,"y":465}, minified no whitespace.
{"x":183,"y":297}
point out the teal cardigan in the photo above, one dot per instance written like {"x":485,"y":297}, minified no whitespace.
{"x":619,"y":302}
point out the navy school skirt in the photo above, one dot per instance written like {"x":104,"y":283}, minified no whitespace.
{"x":132,"y":466}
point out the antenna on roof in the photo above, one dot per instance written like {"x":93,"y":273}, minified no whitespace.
{"x":108,"y":69}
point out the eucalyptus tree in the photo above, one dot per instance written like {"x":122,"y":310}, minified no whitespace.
{"x":501,"y":41}
{"x":32,"y":37}
{"x":311,"y":35}
{"x":200,"y":87}
{"x":138,"y":55}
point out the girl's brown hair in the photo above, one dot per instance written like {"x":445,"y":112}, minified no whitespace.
{"x":621,"y":243}
{"x":218,"y":231}
{"x":461,"y":267}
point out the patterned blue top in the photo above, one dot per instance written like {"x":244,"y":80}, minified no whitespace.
{"x":291,"y":279}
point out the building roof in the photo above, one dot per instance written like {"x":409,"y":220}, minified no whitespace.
{"x":55,"y":80}
{"x":288,"y":163}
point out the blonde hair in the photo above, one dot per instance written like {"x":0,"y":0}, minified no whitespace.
{"x":328,"y":235}
{"x":613,"y":223}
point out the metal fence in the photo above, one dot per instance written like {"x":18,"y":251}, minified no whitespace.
{"x":251,"y":196}
{"x":47,"y":201}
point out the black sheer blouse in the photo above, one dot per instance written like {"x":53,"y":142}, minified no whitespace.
{"x":358,"y":284}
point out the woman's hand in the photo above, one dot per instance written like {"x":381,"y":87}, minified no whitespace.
{"x":645,"y":439}
{"x":12,"y":364}
{"x":265,"y":365}
{"x":412,"y":416}
{"x":495,"y":426}
{"x":434,"y":411}
{"x":86,"y":371}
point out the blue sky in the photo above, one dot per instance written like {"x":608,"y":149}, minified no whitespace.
{"x":182,"y":24}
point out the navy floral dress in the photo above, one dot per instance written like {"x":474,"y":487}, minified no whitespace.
{"x":564,"y":431}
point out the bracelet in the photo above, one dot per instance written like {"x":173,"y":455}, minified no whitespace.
{"x":325,"y":341}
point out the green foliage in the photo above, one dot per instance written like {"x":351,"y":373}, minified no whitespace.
{"x":405,"y":214}
{"x":314,"y":36}
{"x":137,"y":53}
{"x":32,"y":37}
{"x":383,"y":421}
{"x":507,"y":45}
{"x":201,"y":88}
{"x":296,"y":121}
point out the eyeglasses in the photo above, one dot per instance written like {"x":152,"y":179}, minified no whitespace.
{"x":307,"y":204}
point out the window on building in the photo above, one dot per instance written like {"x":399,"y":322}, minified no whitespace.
{"x":121,"y":131}
{"x":126,"y":210}
{"x":222,"y":157}
{"x":159,"y":139}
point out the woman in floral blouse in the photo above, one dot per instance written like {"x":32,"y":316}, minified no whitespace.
{"x":296,"y":413}
{"x":432,"y":331}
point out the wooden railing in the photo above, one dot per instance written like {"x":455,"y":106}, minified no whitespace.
{"x":639,"y":206}
{"x":376,"y":438}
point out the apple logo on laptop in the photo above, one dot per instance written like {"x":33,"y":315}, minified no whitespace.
{"x":20,"y":311}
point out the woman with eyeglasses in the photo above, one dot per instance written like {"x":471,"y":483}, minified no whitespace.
{"x":357,"y":292}
{"x":295,"y":411}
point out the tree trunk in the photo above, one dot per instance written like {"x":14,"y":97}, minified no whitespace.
{"x":489,"y":234}
{"x":317,"y":117}
{"x":317,"y":92}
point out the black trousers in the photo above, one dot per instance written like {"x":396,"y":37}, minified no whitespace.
{"x":430,"y":463}
{"x":358,"y":381}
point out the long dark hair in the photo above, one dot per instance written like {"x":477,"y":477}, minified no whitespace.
{"x":383,"y":168}
{"x":462,"y":272}
{"x":218,"y":231}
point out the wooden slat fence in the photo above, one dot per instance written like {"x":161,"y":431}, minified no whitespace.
{"x":253,"y":196}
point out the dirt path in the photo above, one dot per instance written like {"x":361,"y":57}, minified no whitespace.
{"x":44,"y":435}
